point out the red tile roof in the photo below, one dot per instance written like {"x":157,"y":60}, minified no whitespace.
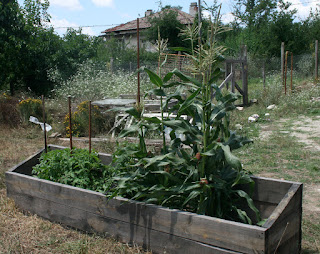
{"x":183,"y":17}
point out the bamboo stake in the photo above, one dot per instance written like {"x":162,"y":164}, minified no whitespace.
{"x":70,"y":126}
{"x":285,"y":73}
{"x":44,"y":125}
{"x":89,"y":126}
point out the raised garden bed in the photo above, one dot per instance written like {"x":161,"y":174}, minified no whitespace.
{"x":160,"y":229}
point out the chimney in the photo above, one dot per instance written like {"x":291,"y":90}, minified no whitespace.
{"x":193,"y":9}
{"x":148,"y":13}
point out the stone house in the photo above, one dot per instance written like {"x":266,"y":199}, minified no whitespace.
{"x":128,"y":31}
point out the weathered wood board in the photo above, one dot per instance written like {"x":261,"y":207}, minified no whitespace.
{"x":158,"y":228}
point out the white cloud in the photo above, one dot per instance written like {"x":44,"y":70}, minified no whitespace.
{"x":227,"y":18}
{"x":69,"y":4}
{"x":103,"y":3}
{"x":303,"y":7}
{"x":61,"y":26}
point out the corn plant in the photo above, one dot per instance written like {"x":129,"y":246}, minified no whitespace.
{"x":197,"y":173}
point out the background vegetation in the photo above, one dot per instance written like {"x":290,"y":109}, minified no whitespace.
{"x":31,"y":52}
{"x":34,"y":60}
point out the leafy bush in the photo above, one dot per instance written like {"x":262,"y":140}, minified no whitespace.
{"x":8,"y":110}
{"x":78,"y":168}
{"x":80,"y":120}
{"x":30,"y":107}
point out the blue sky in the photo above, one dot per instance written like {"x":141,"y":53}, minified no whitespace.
{"x":97,"y":15}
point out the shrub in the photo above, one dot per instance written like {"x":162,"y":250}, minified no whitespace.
{"x":80,"y":121}
{"x":8,"y":110}
{"x":92,"y":82}
{"x":30,"y":107}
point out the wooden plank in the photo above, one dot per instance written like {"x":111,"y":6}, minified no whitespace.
{"x":156,"y":241}
{"x":217,"y":232}
{"x":25,"y":167}
{"x":238,"y":88}
{"x":285,"y":221}
{"x":233,"y":77}
{"x":244,"y":67}
{"x":237,"y":61}
{"x":270,"y":190}
{"x":225,"y":82}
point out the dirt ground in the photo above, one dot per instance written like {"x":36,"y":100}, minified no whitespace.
{"x":307,"y":131}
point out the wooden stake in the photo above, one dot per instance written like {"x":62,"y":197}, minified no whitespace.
{"x":70,"y":123}
{"x":316,"y":62}
{"x":264,"y":73}
{"x":138,"y":62}
{"x":291,"y":71}
{"x":44,"y":125}
{"x":285,"y":73}
{"x":89,"y":126}
{"x":282,"y":63}
{"x":245,"y":75}
{"x":200,"y":21}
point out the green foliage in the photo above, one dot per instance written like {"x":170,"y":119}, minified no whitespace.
{"x":11,"y":41}
{"x":76,"y":48}
{"x":117,"y":52}
{"x":76,"y":167}
{"x":197,"y":170}
{"x":169,"y":26}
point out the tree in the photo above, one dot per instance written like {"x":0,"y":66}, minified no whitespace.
{"x":254,"y":13}
{"x":11,"y":41}
{"x":28,"y":46}
{"x":169,"y":26}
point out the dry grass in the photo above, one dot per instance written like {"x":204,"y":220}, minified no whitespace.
{"x":26,"y":233}
{"x":281,"y":156}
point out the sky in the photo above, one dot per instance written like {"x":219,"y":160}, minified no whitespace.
{"x":95,"y":16}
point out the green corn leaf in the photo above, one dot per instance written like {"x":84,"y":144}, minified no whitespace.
{"x":243,"y":216}
{"x":167,"y":77}
{"x":134,"y":112}
{"x":232,"y":160}
{"x":154,"y":78}
{"x":186,"y":78}
{"x":132,"y":129}
{"x":188,"y":102}
{"x":250,"y":203}
{"x":157,"y":92}
{"x":154,"y":119}
{"x":192,"y":195}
